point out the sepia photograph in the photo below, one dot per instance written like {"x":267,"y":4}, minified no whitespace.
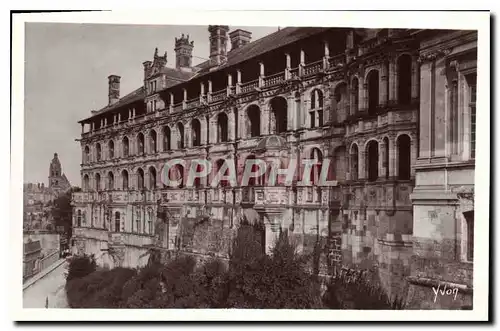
{"x":319,"y":164}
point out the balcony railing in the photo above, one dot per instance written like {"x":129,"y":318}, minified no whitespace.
{"x":195,"y":102}
{"x":294,"y":73}
{"x":249,"y":86}
{"x":274,"y":79}
{"x":336,"y":61}
{"x":219,"y":95}
{"x":177,"y":107}
{"x":313,"y":68}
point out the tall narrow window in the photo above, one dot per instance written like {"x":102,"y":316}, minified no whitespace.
{"x":111,"y":181}
{"x":469,"y":218}
{"x":222,"y":129}
{"x":124,"y":180}
{"x":373,"y":92}
{"x":280,"y":114}
{"x":354,"y":162}
{"x":97,"y":182}
{"x":86,"y":183}
{"x":117,"y":221}
{"x":152,"y":178}
{"x":471,"y":81}
{"x":253,"y":114}
{"x":125,"y":147}
{"x":196,"y":132}
{"x":140,"y":143}
{"x":372,"y":161}
{"x":355,"y":96}
{"x":111,"y":149}
{"x":79,"y":218}
{"x":404,"y":157}
{"x":180,"y":136}
{"x":152,"y":140}
{"x":166,"y":138}
{"x":86,"y":155}
{"x":404,"y":79}
{"x":386,"y":157}
{"x":140,"y":179}
{"x":98,"y":152}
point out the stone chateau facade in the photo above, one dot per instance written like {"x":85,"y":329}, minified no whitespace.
{"x":393,"y":110}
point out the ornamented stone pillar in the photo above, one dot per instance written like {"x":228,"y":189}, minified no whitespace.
{"x":231,"y":125}
{"x":415,"y":70}
{"x":383,"y":85}
{"x":381,"y":160}
{"x":362,"y":101}
{"x":288,"y":66}
{"x":362,"y":162}
{"x":203,"y":131}
{"x":265,"y":119}
{"x":212,"y":130}
{"x":392,"y":81}
{"x":392,"y":156}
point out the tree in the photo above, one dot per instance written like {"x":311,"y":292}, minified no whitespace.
{"x":62,"y":212}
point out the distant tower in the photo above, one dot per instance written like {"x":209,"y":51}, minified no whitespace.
{"x":183,"y":52}
{"x":57,"y":180}
{"x":55,"y":172}
{"x":218,"y":43}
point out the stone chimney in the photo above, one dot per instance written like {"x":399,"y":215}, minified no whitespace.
{"x":218,"y":43}
{"x":113,"y":89}
{"x":239,"y":38}
{"x":183,"y":52}
{"x":148,"y":65}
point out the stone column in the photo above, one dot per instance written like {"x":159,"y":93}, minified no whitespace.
{"x":327,"y":54}
{"x":392,"y":82}
{"x":413,"y":154}
{"x":238,"y":81}
{"x":203,"y":131}
{"x":184,"y":91}
{"x":171,"y":105}
{"x":362,"y":99}
{"x":381,"y":159}
{"x":361,"y":162}
{"x":392,"y":156}
{"x":302,"y":62}
{"x":288,"y":66}
{"x":264,"y":124}
{"x":213,"y":130}
{"x":415,"y":70}
{"x":261,"y":74}
{"x":229,"y":83}
{"x":188,"y":139}
{"x":383,"y":84}
{"x":291,"y":113}
{"x":231,"y":125}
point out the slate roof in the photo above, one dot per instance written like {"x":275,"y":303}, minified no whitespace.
{"x":258,"y":47}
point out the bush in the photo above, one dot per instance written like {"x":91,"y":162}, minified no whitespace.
{"x":277,"y":281}
{"x":80,"y":266}
{"x":100,"y":289}
{"x":357,"y":292}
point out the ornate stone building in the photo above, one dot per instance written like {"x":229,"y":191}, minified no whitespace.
{"x":348,"y":95}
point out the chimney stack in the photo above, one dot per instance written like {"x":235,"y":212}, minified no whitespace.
{"x":239,"y":38}
{"x":183,"y":52}
{"x":113,"y":89}
{"x":218,"y":43}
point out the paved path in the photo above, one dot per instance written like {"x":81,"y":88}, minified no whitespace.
{"x":48,"y":284}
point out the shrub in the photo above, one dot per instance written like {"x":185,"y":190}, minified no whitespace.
{"x":100,"y":289}
{"x":277,"y":281}
{"x":357,"y":292}
{"x":80,"y":266}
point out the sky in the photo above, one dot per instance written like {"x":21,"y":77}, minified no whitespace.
{"x":66,"y":70}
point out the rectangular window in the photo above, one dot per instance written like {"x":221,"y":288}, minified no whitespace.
{"x":471,"y":81}
{"x":313,"y":119}
{"x":470,"y":239}
{"x":320,"y":117}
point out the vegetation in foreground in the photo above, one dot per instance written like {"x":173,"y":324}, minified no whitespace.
{"x":251,"y":279}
